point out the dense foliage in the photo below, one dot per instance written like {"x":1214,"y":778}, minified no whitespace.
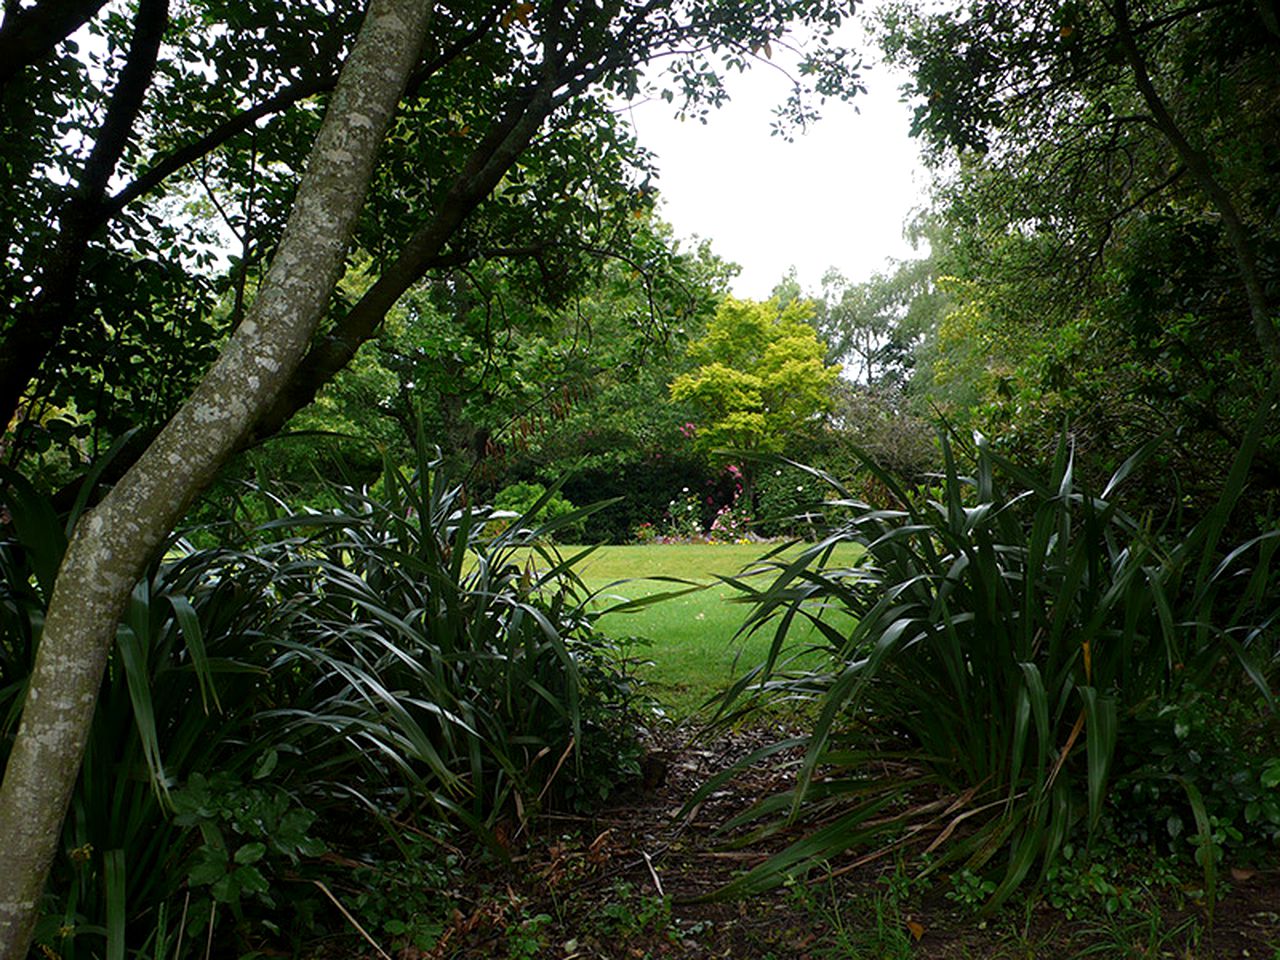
{"x":1064,"y":632}
{"x":1102,"y":244}
{"x":1016,"y":638}
{"x":265,"y":689}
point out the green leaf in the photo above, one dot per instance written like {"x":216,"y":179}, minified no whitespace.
{"x":251,"y":880}
{"x":226,"y":889}
{"x":1271,"y":775}
{"x":1100,"y":744}
{"x":113,"y":862}
{"x":251,"y":853}
{"x":266,"y":764}
{"x":210,"y":866}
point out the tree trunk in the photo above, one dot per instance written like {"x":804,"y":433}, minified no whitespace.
{"x":1198,"y":164}
{"x":37,"y":328}
{"x":113,"y":543}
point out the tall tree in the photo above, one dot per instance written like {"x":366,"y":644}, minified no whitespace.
{"x":1144,"y":94}
{"x":113,"y":543}
{"x":1092,"y":275}
{"x":508,"y":145}
{"x":760,"y":380}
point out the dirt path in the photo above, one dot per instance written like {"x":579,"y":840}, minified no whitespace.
{"x":624,"y":885}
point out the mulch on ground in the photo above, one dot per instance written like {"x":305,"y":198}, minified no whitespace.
{"x":629,"y":883}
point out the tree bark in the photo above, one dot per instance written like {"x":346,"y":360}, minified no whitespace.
{"x":113,"y":543}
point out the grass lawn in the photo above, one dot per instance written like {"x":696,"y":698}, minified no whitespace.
{"x":692,"y":653}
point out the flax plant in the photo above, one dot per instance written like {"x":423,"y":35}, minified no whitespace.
{"x":1008,"y":627}
{"x":386,"y":655}
{"x":424,"y":655}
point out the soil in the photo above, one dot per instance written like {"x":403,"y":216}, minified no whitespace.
{"x":629,"y":882}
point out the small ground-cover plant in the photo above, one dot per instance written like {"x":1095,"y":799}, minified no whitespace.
{"x":407,"y":897}
{"x":876,"y":925}
{"x":242,"y":836}
{"x":1009,"y":632}
{"x":1220,"y":746}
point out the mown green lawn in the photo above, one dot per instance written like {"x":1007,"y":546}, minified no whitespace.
{"x":692,"y":651}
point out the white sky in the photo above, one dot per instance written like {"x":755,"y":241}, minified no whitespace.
{"x":837,"y":196}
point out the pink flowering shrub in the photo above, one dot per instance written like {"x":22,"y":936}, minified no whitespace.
{"x":732,"y":523}
{"x":730,"y":526}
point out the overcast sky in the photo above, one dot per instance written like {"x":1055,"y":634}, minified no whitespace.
{"x":838,"y":196}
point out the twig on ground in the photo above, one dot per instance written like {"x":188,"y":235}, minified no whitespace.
{"x":352,"y":920}
{"x":653,"y":873}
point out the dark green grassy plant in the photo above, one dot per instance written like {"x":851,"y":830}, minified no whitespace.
{"x":384,"y":654}
{"x":1008,"y":629}
{"x":181,"y":688}
{"x":419,"y":652}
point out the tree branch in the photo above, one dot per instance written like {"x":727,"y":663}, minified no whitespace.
{"x":172,"y":162}
{"x":35,"y":332}
{"x":30,"y":34}
{"x":1197,"y":163}
{"x":291,"y":95}
{"x":496,"y":153}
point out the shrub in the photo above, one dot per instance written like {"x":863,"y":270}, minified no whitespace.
{"x":530,"y":502}
{"x":730,"y":525}
{"x":638,"y":492}
{"x":1006,"y":635}
{"x":789,"y":499}
{"x":683,"y":520}
{"x":382,"y":653}
{"x":645,"y":532}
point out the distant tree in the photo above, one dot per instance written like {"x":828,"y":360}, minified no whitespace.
{"x":761,"y":383}
{"x":1103,"y":230}
{"x":872,"y":328}
{"x":1112,"y":103}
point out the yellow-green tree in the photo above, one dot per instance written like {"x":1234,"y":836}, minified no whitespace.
{"x":761,"y":381}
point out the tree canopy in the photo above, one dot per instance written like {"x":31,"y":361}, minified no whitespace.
{"x":1101,"y":250}
{"x":133,"y":156}
{"x":760,"y":377}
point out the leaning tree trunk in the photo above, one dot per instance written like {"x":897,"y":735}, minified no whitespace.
{"x":1197,"y":162}
{"x":113,"y":543}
